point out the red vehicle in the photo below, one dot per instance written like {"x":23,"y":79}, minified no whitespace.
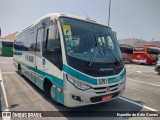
{"x":127,"y":52}
{"x":148,"y":54}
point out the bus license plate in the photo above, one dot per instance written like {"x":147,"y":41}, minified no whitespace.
{"x":107,"y":97}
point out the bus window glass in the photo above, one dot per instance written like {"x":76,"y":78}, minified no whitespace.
{"x":53,"y":44}
{"x":152,"y":51}
{"x":7,"y":44}
{"x":53,"y":50}
{"x":89,"y":35}
{"x":110,"y":43}
{"x":129,"y":50}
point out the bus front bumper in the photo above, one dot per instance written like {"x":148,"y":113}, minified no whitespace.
{"x":74,"y":97}
{"x":139,"y":61}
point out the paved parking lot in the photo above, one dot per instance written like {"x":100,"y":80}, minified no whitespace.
{"x":142,"y":93}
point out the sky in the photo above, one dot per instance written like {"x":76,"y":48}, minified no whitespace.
{"x":129,"y":18}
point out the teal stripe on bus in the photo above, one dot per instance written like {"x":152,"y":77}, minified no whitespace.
{"x":17,"y":53}
{"x":90,"y":80}
{"x":78,"y":75}
{"x":57,"y":81}
{"x":117,"y":78}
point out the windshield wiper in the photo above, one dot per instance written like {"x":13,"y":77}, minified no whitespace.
{"x":113,"y":56}
{"x":95,"y":52}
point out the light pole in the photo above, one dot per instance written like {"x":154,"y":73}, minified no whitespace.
{"x":109,"y":12}
{"x":0,"y":32}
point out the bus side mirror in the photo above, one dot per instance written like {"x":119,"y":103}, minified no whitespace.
{"x":52,"y":32}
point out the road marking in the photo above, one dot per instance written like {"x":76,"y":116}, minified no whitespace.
{"x":4,"y":103}
{"x":8,"y":72}
{"x":6,"y":62}
{"x":134,"y":72}
{"x":138,"y":104}
{"x":128,"y":65}
{"x":138,"y":71}
{"x":144,"y":82}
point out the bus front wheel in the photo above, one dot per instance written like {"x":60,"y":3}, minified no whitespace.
{"x":52,"y":93}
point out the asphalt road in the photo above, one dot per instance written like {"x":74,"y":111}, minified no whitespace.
{"x":142,"y":93}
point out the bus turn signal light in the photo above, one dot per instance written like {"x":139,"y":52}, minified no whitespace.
{"x":59,"y":90}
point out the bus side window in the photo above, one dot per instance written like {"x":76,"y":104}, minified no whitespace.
{"x":53,"y":45}
{"x":52,"y":50}
{"x":46,"y":39}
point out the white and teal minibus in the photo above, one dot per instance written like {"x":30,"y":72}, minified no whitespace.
{"x":75,"y":61}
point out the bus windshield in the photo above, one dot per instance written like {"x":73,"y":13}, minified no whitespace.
{"x":82,"y":39}
{"x":152,"y":51}
{"x":126,"y":50}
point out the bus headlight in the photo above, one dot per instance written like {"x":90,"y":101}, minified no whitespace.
{"x":77,"y":83}
{"x":123,"y":80}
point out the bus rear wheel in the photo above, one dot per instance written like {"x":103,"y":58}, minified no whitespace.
{"x":158,"y":71}
{"x":20,"y":70}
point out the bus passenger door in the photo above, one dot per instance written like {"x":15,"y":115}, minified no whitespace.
{"x":38,"y":57}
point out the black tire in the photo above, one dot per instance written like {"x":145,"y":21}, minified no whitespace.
{"x":52,"y":95}
{"x":20,"y":70}
{"x":158,"y":71}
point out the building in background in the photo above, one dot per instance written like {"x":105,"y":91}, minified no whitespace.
{"x":138,"y":42}
{"x":10,"y":37}
{"x":6,"y":45}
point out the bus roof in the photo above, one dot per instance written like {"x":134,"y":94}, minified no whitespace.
{"x":125,"y":45}
{"x":148,"y":45}
{"x":56,"y":16}
{"x":154,"y":48}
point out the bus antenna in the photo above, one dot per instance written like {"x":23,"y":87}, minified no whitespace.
{"x":87,"y":17}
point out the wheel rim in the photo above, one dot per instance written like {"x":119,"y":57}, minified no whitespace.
{"x":52,"y":92}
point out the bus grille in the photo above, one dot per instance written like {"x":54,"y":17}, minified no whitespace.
{"x":100,"y":90}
